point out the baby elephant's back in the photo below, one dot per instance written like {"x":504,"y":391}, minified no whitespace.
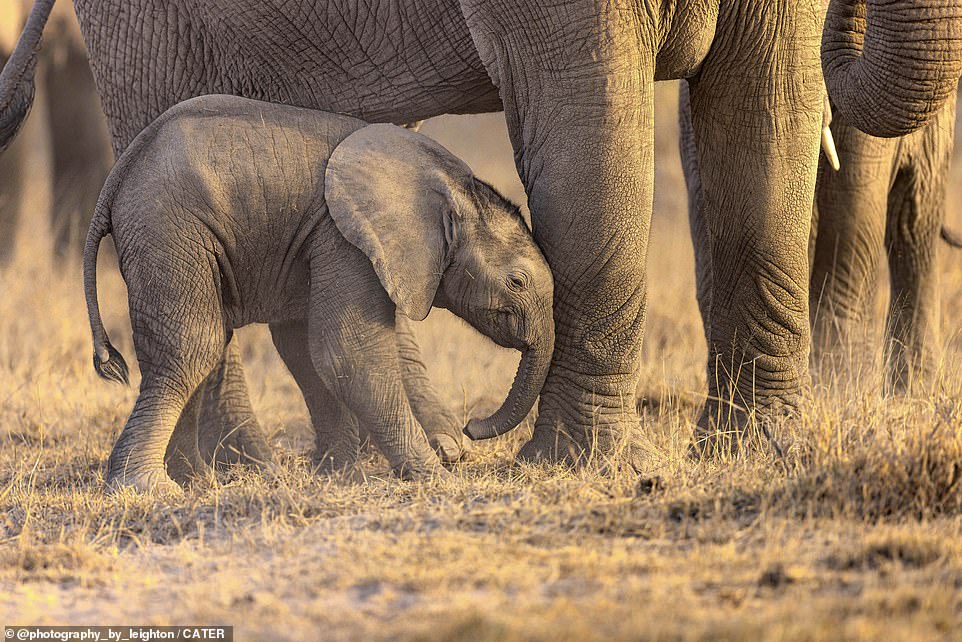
{"x":246,"y":157}
{"x":227,"y":179}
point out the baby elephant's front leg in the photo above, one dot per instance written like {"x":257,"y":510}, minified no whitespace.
{"x":355,"y":352}
{"x":367,"y":380}
{"x":335,"y":428}
{"x":442,"y":427}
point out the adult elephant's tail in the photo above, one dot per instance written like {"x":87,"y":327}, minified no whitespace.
{"x":16,"y":80}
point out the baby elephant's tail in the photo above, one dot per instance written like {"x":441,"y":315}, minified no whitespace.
{"x":108,"y":362}
{"x":953,"y":238}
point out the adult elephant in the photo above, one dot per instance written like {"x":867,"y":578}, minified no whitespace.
{"x":891,"y":67}
{"x":66,"y":143}
{"x":886,"y":202}
{"x":575,"y":78}
{"x":894,"y":119}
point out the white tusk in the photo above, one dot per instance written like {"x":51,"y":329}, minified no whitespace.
{"x":828,"y":146}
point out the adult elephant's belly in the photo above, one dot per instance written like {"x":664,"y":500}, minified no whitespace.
{"x":388,"y":60}
{"x":688,"y":39}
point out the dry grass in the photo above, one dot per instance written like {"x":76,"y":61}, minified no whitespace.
{"x":852,"y":532}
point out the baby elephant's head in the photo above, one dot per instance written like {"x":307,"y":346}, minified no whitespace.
{"x":437,"y":235}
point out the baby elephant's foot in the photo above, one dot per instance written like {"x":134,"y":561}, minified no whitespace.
{"x":350,"y":475}
{"x":449,"y":449}
{"x":711,"y":445}
{"x":184,"y":472}
{"x":548,"y":446}
{"x":246,"y":447}
{"x":423,"y":471}
{"x":154,"y":482}
{"x":340,"y":468}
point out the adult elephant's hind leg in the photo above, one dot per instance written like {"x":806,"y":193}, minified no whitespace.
{"x":442,"y":427}
{"x":228,"y":431}
{"x":80,"y":145}
{"x":696,"y":210}
{"x":756,"y":115}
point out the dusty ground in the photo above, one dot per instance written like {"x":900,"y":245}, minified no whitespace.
{"x":853,"y":532}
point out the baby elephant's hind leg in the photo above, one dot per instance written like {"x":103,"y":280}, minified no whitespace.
{"x":335,"y":427}
{"x":179,"y":338}
{"x":137,"y":459}
{"x":183,"y":457}
{"x":228,"y":431}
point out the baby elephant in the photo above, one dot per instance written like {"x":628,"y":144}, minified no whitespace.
{"x":227,"y":211}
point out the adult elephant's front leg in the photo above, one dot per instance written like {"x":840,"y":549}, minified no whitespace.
{"x":228,"y":431}
{"x":916,"y":212}
{"x":849,"y":248}
{"x":756,"y":114}
{"x":576,"y":80}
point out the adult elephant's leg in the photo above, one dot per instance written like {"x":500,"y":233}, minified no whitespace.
{"x":576,"y":80}
{"x":849,"y":246}
{"x":442,"y":427}
{"x":228,"y":431}
{"x":25,"y":178}
{"x":915,"y":216}
{"x":80,"y":145}
{"x":756,"y":116}
{"x":12,"y":162}
{"x":696,"y":210}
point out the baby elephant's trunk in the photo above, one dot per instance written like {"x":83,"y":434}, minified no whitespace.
{"x":532,"y":372}
{"x":108,"y":362}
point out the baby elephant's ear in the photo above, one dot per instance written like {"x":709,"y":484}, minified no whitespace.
{"x":392,"y":193}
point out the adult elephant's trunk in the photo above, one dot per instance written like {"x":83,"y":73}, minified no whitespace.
{"x":532,"y":372}
{"x":16,"y":80}
{"x":890,"y":65}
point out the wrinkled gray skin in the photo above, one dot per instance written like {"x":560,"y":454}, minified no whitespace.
{"x":918,"y":46}
{"x":894,"y":124}
{"x":67,"y":136}
{"x":887,"y":199}
{"x":575,"y":79}
{"x":886,"y":202}
{"x":890,"y":66}
{"x":229,"y":211}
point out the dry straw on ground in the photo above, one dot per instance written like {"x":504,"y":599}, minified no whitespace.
{"x":851,"y":531}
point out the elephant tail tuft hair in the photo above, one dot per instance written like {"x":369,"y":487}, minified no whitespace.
{"x":108,"y":362}
{"x":17,"y":78}
{"x":953,"y":238}
{"x":113,"y":368}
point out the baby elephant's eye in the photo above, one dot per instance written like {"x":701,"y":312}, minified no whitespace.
{"x":518,"y":281}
